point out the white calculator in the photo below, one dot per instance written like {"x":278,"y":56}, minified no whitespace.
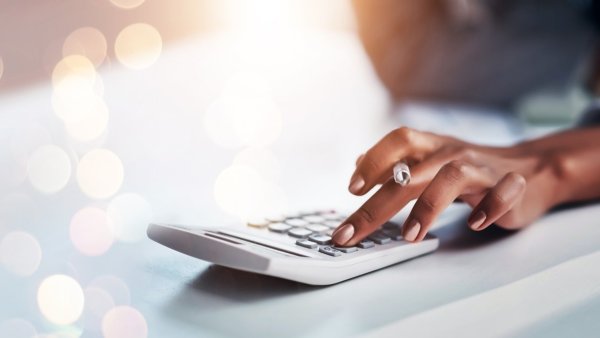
{"x":296,"y":247}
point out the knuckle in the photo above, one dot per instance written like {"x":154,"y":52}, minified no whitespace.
{"x":365,"y":215}
{"x":563,"y":166}
{"x":517,"y":179}
{"x":402,"y":134}
{"x":467,"y":154}
{"x":455,"y":170}
{"x":369,"y":165}
{"x":426,"y":204}
{"x":496,"y":200}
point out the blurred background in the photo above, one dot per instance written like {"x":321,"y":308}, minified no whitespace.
{"x":118,"y":113}
{"x":39,"y":34}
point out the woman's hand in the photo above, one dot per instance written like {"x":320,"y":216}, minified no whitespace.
{"x":509,"y":186}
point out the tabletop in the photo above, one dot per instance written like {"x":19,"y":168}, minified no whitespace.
{"x":74,"y":207}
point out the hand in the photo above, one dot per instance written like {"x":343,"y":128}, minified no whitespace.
{"x":509,"y":186}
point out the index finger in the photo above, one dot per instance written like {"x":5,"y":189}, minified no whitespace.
{"x":379,"y":160}
{"x":382,"y":206}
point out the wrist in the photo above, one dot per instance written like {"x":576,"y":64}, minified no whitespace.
{"x":561,"y":172}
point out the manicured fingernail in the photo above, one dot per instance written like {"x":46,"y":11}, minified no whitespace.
{"x":343,"y":234}
{"x":412,"y":230}
{"x":477,"y":220}
{"x":356,"y":184}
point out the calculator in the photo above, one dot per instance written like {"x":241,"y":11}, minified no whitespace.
{"x":296,"y":247}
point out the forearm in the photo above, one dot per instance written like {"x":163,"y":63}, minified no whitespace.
{"x":574,"y":157}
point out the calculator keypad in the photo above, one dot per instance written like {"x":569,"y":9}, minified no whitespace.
{"x":330,"y":251}
{"x":313,"y":230}
{"x":299,"y":232}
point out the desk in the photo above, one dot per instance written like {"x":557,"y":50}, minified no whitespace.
{"x":333,"y":108}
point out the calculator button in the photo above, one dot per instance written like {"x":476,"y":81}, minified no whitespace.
{"x":320,"y":239}
{"x":330,"y":251}
{"x":306,"y":244}
{"x":297,"y":222}
{"x":390,"y":225}
{"x":332,"y":224}
{"x":379,"y":238}
{"x":279,"y":227}
{"x":347,"y":250}
{"x":329,"y":232}
{"x":275,"y":218}
{"x":299,"y":232}
{"x":317,"y":227}
{"x":365,"y":244}
{"x":395,"y":234}
{"x":313,"y":218}
{"x":257,"y":223}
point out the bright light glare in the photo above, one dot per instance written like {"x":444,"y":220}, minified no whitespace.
{"x":86,"y":41}
{"x":90,"y":231}
{"x":138,"y":46}
{"x":60,"y":299}
{"x":245,"y":114}
{"x":129,"y":214}
{"x":100,"y":173}
{"x":20,"y":253}
{"x":241,"y":191}
{"x":127,"y":4}
{"x":124,"y":322}
{"x":49,"y":169}
{"x":260,"y":159}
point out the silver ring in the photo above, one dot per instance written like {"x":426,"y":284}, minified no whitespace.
{"x":401,"y":173}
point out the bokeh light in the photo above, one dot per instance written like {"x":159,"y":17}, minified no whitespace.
{"x":129,"y":216}
{"x":245,"y":114}
{"x":17,"y":328}
{"x":20,"y":253}
{"x":72,"y":93}
{"x":127,"y":4}
{"x":240,"y":190}
{"x":74,"y":66}
{"x":97,"y":303}
{"x":60,"y":299}
{"x":86,"y":41}
{"x":138,"y":46}
{"x":124,"y":322}
{"x":49,"y":169}
{"x":77,"y":98}
{"x":100,"y":173}
{"x":114,"y":286}
{"x":90,"y":231}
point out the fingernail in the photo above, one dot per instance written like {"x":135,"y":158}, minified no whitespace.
{"x":356,"y":184}
{"x":412,"y":230}
{"x":343,"y":234}
{"x":477,"y":220}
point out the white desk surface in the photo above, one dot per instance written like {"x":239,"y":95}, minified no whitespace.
{"x":530,"y":283}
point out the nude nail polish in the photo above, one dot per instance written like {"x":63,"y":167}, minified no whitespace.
{"x":343,"y":234}
{"x":476,"y":221}
{"x":413,"y":229}
{"x":356,"y":184}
